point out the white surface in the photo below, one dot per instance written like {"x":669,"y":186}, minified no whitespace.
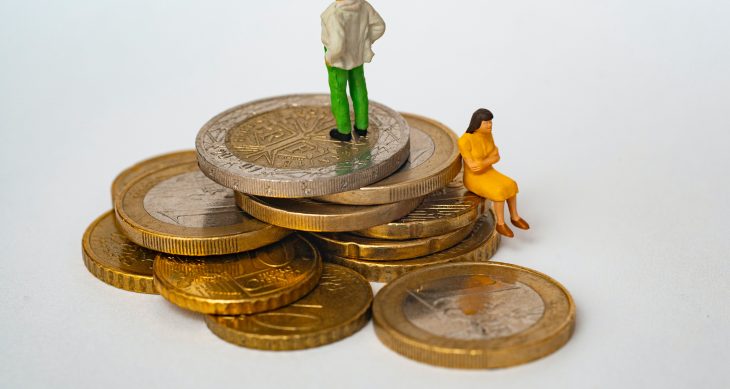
{"x":612,"y":116}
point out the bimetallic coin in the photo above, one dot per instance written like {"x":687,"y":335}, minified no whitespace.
{"x":474,"y":315}
{"x":440,"y":212}
{"x":433,"y":162}
{"x":358,"y":247}
{"x":245,"y":283}
{"x":280,"y":147}
{"x":479,"y":246}
{"x":147,"y":166}
{"x":317,"y":216}
{"x":175,"y":209}
{"x":112,"y":258}
{"x":337,"y":308}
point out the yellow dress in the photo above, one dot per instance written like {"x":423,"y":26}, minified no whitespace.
{"x":489,"y":183}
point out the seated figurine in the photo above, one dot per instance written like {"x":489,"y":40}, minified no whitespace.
{"x":479,"y":154}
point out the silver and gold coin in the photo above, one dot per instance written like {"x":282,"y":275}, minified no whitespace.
{"x":244,"y":283}
{"x":474,"y":315}
{"x":149,"y":165}
{"x":479,"y":246}
{"x":280,"y":147}
{"x":442,"y":211}
{"x":433,"y":162}
{"x":337,"y":308}
{"x":176,"y":209}
{"x":115,"y":260}
{"x":358,"y":247}
{"x":317,"y":216}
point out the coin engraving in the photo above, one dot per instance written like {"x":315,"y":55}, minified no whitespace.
{"x":192,"y":200}
{"x":422,"y":148}
{"x":474,"y":307}
{"x":444,"y":203}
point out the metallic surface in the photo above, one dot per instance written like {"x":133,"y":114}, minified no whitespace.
{"x":474,"y":315}
{"x":433,"y":162}
{"x":245,"y":283}
{"x":442,"y":211}
{"x":145,"y":167}
{"x":280,"y":147}
{"x":317,"y":216}
{"x":175,"y":209}
{"x":337,"y":308}
{"x":112,"y":258}
{"x":358,"y":247}
{"x":479,"y":246}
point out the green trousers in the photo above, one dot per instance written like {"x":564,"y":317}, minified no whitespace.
{"x":338,"y":79}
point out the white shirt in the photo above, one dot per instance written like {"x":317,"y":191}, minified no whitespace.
{"x":349,"y":28}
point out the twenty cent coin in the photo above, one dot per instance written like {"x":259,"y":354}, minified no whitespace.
{"x":280,"y":147}
{"x":433,"y":162}
{"x":175,"y":209}
{"x":358,"y":247}
{"x":112,"y":258}
{"x":245,"y":283}
{"x":337,"y":308}
{"x":479,"y":246}
{"x":317,"y":216}
{"x":474,"y":315}
{"x":440,"y":212}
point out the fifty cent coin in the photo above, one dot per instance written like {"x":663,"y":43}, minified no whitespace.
{"x":280,"y":147}
{"x":358,"y":247}
{"x":479,"y":246}
{"x":433,"y":162}
{"x":245,"y":283}
{"x":176,"y":209}
{"x":442,"y":211}
{"x":112,"y":258}
{"x":337,"y":308}
{"x":474,"y":315}
{"x":318,"y":216}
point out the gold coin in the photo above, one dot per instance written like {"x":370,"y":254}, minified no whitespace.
{"x":112,"y":258}
{"x":316,"y":216}
{"x":474,"y":315}
{"x":479,"y":246}
{"x":442,"y":211}
{"x":337,"y":308}
{"x":175,"y":209}
{"x":245,"y":283}
{"x":145,"y":167}
{"x":358,"y":247}
{"x":433,"y":162}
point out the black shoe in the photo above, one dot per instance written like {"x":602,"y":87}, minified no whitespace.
{"x":335,"y":134}
{"x":361,"y":133}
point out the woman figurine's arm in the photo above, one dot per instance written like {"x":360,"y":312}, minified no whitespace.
{"x":474,"y":165}
{"x":492,"y":158}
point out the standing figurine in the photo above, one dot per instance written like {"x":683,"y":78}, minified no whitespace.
{"x":349,"y":28}
{"x":479,"y":154}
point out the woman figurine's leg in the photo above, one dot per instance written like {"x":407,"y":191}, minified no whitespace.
{"x":517,"y":221}
{"x":499,"y":213}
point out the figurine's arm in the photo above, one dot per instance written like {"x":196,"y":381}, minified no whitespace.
{"x":376,"y":26}
{"x":474,"y":165}
{"x":492,"y":158}
{"x":333,"y":37}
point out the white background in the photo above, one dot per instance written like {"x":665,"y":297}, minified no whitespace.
{"x":612,"y":116}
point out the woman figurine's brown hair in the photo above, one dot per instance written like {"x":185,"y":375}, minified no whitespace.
{"x":479,"y":154}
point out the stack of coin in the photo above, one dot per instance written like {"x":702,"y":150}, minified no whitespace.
{"x":383,"y":205}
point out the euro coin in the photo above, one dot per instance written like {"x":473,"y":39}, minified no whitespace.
{"x":175,"y":209}
{"x":358,"y":247}
{"x":433,"y":162}
{"x":474,"y":315}
{"x":442,"y":211}
{"x":244,"y":283}
{"x":115,"y":260}
{"x":479,"y":246}
{"x":149,"y":165}
{"x":317,"y":216}
{"x":337,"y":308}
{"x":280,"y":147}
